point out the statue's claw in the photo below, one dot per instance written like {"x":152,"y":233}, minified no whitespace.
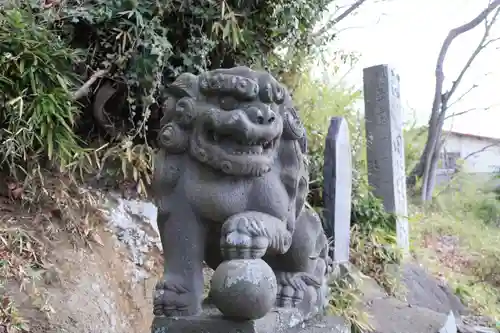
{"x":240,"y":239}
{"x":174,"y":301}
{"x":292,"y":287}
{"x":288,"y":297}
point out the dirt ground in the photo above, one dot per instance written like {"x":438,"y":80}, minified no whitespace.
{"x":77,"y":288}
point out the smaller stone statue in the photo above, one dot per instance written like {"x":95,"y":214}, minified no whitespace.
{"x":230,"y":185}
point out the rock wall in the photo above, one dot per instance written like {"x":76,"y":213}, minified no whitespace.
{"x":104,"y":288}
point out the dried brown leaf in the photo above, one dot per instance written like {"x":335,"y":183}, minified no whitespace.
{"x":96,"y":238}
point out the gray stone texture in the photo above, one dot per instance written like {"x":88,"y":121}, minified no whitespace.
{"x":422,"y":289}
{"x":276,"y":321}
{"x":244,"y":289}
{"x":230,"y":183}
{"x":385,"y":147}
{"x":476,"y":324}
{"x":337,"y":188}
{"x":323,"y":324}
{"x":423,"y":304}
{"x":390,"y":315}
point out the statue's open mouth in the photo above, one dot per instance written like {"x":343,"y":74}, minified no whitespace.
{"x":230,"y":142}
{"x":236,"y":146}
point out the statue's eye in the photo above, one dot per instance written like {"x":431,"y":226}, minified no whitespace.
{"x":228,"y":103}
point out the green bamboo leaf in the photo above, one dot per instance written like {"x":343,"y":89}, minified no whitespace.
{"x":226,"y":31}
{"x":33,"y":82}
{"x":236,"y":36}
{"x":62,"y":122}
{"x":50,"y":145}
{"x":62,"y":82}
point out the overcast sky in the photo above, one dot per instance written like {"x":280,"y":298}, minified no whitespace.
{"x":407,"y":34}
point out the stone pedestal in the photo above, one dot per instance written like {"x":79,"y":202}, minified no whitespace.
{"x":276,"y":321}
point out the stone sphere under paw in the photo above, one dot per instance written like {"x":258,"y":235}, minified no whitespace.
{"x":244,"y":289}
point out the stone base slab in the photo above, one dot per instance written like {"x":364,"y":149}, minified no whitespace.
{"x":211,"y":321}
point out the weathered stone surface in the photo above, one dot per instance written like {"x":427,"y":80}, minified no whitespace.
{"x":337,"y":175}
{"x":476,"y":324}
{"x":422,"y":304}
{"x":230,"y":183}
{"x":324,"y":324}
{"x":244,"y":289}
{"x":134,"y":224}
{"x":462,"y":328}
{"x":385,"y":148}
{"x":422,"y":289}
{"x":389,"y":315}
{"x":475,"y":329}
{"x":480,"y":321}
{"x":276,"y":321}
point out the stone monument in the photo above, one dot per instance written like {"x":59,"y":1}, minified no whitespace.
{"x":385,"y":147}
{"x":230,"y":183}
{"x":337,"y":188}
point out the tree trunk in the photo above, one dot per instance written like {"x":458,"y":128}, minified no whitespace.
{"x":432,"y":142}
{"x":438,"y":143}
{"x":430,"y":156}
{"x":431,"y":183}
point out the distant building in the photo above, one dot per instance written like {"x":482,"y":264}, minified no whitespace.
{"x":473,"y":154}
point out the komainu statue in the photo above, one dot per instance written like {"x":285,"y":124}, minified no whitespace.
{"x":230,"y":183}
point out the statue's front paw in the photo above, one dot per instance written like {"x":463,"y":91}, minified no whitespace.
{"x":239,"y":245}
{"x":288,"y":297}
{"x":240,"y":239}
{"x":174,"y":301}
{"x":293,"y":287}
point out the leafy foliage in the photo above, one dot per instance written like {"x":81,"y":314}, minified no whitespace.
{"x":21,"y":256}
{"x":317,"y":102}
{"x":459,"y":247}
{"x":147,"y":44}
{"x":373,"y":240}
{"x":115,"y":57}
{"x":414,"y":138}
{"x":487,"y":210}
{"x":369,"y":214}
{"x":10,"y":319}
{"x":471,"y":196}
{"x":39,"y":115}
{"x":373,"y":234}
{"x":345,"y":301}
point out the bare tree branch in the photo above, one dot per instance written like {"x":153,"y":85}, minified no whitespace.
{"x":85,"y":89}
{"x":469,"y":110}
{"x":331,"y":23}
{"x":480,"y":150}
{"x":460,"y":113}
{"x":462,"y":96}
{"x":430,"y":155}
{"x":481,"y":46}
